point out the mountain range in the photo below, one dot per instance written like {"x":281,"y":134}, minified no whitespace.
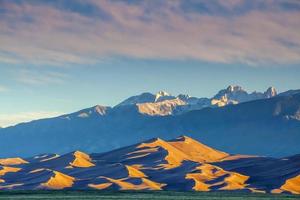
{"x":259,"y":123}
{"x":179,"y":164}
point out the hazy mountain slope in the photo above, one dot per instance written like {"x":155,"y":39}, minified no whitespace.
{"x":271,"y":126}
{"x":180,"y":164}
{"x":263,"y":127}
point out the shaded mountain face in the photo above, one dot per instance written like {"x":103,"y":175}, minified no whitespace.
{"x":179,"y":164}
{"x":268,"y":127}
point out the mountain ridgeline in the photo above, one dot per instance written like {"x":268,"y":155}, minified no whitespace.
{"x":260,"y":123}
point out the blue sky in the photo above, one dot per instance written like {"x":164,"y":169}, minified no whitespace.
{"x":61,"y":56}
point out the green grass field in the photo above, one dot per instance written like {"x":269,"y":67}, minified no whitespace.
{"x":16,"y":195}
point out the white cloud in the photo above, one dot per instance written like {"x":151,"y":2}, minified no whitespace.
{"x":15,"y":118}
{"x":56,"y":36}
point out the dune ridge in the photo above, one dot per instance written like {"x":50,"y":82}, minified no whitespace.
{"x":179,"y":164}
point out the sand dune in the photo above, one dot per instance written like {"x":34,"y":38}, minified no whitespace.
{"x":59,"y":181}
{"x":196,"y":151}
{"x":292,"y":185}
{"x":4,"y":170}
{"x":12,"y":161}
{"x":179,"y":164}
{"x":81,"y":160}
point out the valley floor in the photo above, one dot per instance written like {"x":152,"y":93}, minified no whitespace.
{"x":59,"y":195}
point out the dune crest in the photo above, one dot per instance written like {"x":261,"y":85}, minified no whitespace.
{"x":6,"y":170}
{"x":292,"y":185}
{"x":146,"y":184}
{"x":134,"y":172}
{"x":227,"y":180}
{"x":179,"y":164}
{"x":81,"y":160}
{"x":12,"y":161}
{"x":100,"y":186}
{"x":59,"y":181}
{"x":197,"y":151}
{"x":174,"y":156}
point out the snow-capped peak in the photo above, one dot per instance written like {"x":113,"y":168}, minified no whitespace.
{"x":162,"y":95}
{"x":234,"y":88}
{"x":271,"y":92}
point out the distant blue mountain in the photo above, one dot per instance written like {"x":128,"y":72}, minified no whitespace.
{"x":269,"y":126}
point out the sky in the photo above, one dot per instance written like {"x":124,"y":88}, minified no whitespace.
{"x":60,"y":56}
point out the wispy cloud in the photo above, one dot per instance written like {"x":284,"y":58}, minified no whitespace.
{"x":15,"y":118}
{"x":3,"y":88}
{"x":253,"y":33}
{"x":41,"y":77}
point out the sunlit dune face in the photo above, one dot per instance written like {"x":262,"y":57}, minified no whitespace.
{"x":196,"y":151}
{"x":145,"y":185}
{"x":152,"y":165}
{"x":174,"y":156}
{"x":292,"y":185}
{"x":6,"y":170}
{"x":182,"y":149}
{"x":81,"y":160}
{"x":235,"y":181}
{"x":276,"y":191}
{"x":12,"y":161}
{"x":134,"y":172}
{"x":59,"y":181}
{"x":207,"y":173}
{"x":100,"y":186}
{"x":11,"y":186}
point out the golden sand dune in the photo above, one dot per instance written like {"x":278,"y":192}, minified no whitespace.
{"x":100,"y":186}
{"x":179,"y":164}
{"x":10,"y":186}
{"x":59,"y":181}
{"x":179,"y":150}
{"x":196,"y":151}
{"x":292,"y":185}
{"x":174,"y":156}
{"x":208,"y":172}
{"x":146,"y":184}
{"x":134,"y":172}
{"x":4,"y":170}
{"x":12,"y":161}
{"x":81,"y":160}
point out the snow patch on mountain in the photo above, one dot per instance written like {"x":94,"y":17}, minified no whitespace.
{"x":163,"y":103}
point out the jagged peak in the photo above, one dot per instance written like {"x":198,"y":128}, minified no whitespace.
{"x":234,"y":88}
{"x":270,"y":92}
{"x":162,"y":93}
{"x":101,"y":109}
{"x":183,"y":96}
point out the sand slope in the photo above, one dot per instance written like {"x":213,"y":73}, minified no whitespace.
{"x":179,"y":164}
